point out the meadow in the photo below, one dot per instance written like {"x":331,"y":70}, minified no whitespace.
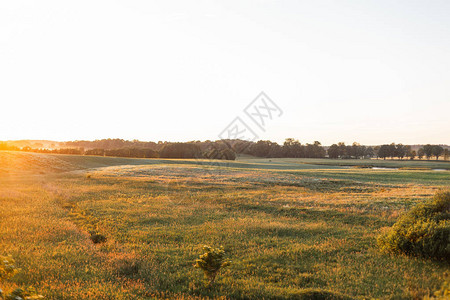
{"x":289,"y":226}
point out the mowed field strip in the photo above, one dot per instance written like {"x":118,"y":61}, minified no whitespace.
{"x":289,"y":225}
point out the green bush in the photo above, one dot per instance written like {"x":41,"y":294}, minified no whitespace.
{"x":211,"y":262}
{"x":423,"y":231}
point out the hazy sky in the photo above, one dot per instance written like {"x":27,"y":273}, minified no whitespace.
{"x":368,"y":71}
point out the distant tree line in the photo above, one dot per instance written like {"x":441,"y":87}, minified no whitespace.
{"x":111,"y":144}
{"x":401,"y":151}
{"x":290,"y":148}
{"x":124,"y":152}
{"x":227,"y":149}
{"x":433,"y":150}
{"x":6,"y":146}
{"x":355,"y":150}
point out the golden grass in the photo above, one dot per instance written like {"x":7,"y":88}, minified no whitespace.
{"x":285,"y":230}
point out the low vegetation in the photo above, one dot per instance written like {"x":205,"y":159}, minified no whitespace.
{"x":293,"y":228}
{"x":422,"y":231}
{"x":211,"y":262}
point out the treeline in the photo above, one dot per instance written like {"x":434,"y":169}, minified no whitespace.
{"x":6,"y":146}
{"x":355,"y":150}
{"x":401,"y":151}
{"x":113,"y":144}
{"x":207,"y":150}
{"x":221,"y":149}
{"x":227,"y":149}
{"x":290,"y":148}
{"x":124,"y":152}
{"x":199,"y":150}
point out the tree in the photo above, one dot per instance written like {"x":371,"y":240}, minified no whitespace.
{"x":437,"y":150}
{"x":275,"y":150}
{"x":400,"y":151}
{"x":376,"y":149}
{"x":227,"y":154}
{"x":293,"y":148}
{"x":361,"y":151}
{"x":315,"y":150}
{"x":356,"y":150}
{"x":428,"y":150}
{"x":342,"y":149}
{"x":420,"y":153}
{"x":333,"y":151}
{"x":99,"y":152}
{"x":384,"y":151}
{"x":261,"y":148}
{"x":348,"y":151}
{"x":392,"y":150}
{"x":180,"y":150}
{"x":409,"y":152}
{"x":370,"y":152}
{"x":446,"y":154}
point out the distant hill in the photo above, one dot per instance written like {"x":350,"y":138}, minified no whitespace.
{"x":35,"y":144}
{"x":106,"y":144}
{"x":18,"y":162}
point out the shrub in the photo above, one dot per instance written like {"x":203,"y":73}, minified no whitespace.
{"x":423,"y":231}
{"x":97,"y":238}
{"x":211,"y":262}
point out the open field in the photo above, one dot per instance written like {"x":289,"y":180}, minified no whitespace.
{"x":288,"y":225}
{"x":365,"y":163}
{"x":12,"y":162}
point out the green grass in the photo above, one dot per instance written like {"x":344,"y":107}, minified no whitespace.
{"x":290,"y":232}
{"x":388,"y":163}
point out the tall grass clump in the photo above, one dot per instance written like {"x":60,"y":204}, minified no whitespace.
{"x":423,"y":231}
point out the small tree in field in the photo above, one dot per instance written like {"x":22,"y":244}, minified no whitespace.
{"x":211,"y":262}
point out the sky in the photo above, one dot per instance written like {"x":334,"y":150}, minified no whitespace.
{"x":368,"y":71}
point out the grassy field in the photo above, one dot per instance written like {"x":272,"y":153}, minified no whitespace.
{"x":289,"y":225}
{"x":362,"y":163}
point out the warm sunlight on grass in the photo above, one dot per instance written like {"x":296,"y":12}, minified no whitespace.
{"x":286,"y":230}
